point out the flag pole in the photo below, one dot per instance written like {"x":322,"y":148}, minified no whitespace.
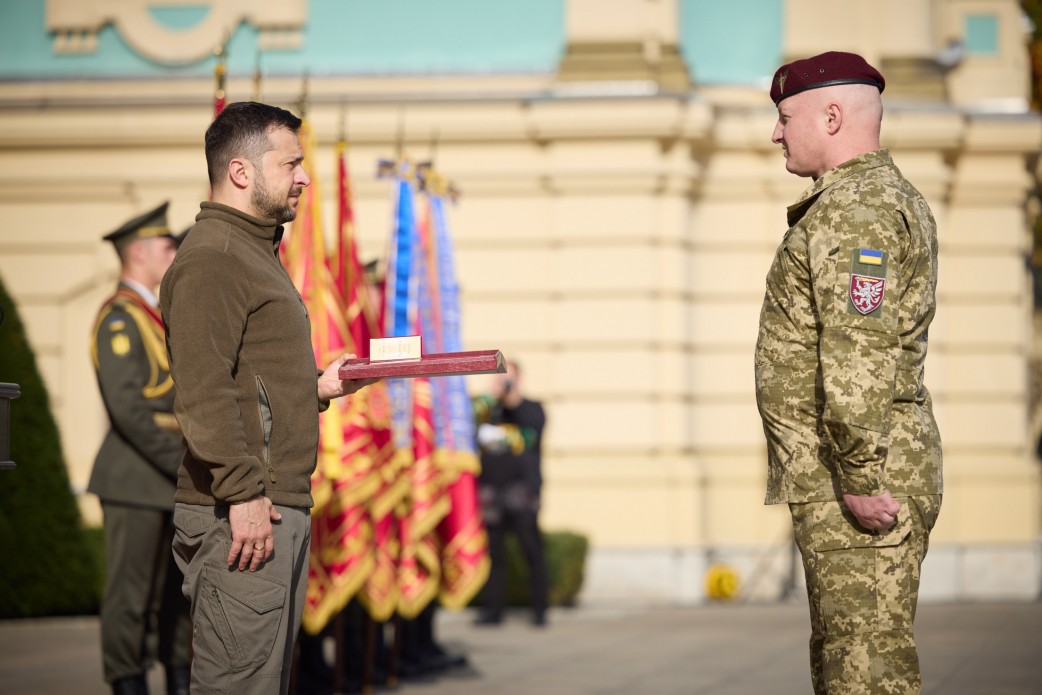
{"x":257,"y":92}
{"x":344,"y":264}
{"x":219,"y":73}
{"x":399,"y":138}
{"x":302,"y":103}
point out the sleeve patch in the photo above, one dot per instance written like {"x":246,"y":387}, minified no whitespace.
{"x":870,"y":256}
{"x":867,"y":282}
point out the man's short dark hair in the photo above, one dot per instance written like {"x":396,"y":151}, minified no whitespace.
{"x":241,"y":130}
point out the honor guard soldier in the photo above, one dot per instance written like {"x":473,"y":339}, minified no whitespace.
{"x":135,"y":471}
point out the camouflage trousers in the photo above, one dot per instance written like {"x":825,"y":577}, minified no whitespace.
{"x":863,"y":589}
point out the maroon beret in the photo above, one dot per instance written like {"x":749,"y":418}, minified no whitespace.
{"x":825,"y":70}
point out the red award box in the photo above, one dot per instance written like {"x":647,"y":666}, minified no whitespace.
{"x":437,"y":364}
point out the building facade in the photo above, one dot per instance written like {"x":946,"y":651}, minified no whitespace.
{"x":621,"y":204}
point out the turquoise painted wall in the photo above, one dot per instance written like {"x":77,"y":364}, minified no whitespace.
{"x":731,"y":41}
{"x":722,"y":41}
{"x":982,"y":34}
{"x":341,"y":37}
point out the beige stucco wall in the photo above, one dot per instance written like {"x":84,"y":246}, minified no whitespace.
{"x":617,"y":247}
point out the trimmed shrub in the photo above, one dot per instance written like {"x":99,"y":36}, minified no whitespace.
{"x":565,"y":563}
{"x":48,"y":566}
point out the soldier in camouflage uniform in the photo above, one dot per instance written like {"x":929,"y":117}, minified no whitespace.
{"x":853,"y":447}
{"x":135,"y":471}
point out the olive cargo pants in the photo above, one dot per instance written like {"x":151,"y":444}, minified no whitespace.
{"x":245,"y":622}
{"x":141,"y":579}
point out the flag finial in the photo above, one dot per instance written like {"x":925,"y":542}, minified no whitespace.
{"x":257,"y":91}
{"x":220,"y":69}
{"x":302,"y":103}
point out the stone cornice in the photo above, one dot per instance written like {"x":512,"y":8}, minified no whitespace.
{"x":479,"y":109}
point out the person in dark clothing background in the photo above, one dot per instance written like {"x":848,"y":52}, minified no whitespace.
{"x":510,"y":434}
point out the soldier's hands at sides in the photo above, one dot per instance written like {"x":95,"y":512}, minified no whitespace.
{"x":331,"y":386}
{"x":252,"y":540}
{"x":873,"y":512}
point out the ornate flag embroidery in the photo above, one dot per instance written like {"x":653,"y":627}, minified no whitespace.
{"x":866,"y":293}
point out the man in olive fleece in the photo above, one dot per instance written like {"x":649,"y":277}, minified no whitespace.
{"x":248,"y":401}
{"x":853,"y":447}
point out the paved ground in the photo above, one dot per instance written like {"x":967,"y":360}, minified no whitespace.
{"x":965,"y":649}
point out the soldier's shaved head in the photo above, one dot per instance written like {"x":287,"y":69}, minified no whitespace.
{"x":824,"y":127}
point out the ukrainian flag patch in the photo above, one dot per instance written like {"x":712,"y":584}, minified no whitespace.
{"x":867,"y":282}
{"x":870,"y":257}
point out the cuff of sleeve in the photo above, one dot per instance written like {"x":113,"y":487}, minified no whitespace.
{"x":860,"y":483}
{"x":231,"y":490}
{"x":323,"y":406}
{"x":243,"y":497}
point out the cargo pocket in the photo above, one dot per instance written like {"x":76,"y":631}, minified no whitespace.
{"x":190,"y":526}
{"x":858,"y":581}
{"x":245,"y":612}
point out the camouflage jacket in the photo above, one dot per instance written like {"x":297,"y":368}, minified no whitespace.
{"x":842,"y":341}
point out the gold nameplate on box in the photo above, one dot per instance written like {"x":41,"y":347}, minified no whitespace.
{"x":406,"y":347}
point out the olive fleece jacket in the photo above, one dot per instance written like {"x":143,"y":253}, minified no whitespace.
{"x":239,"y":340}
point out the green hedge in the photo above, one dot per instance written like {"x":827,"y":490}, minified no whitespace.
{"x":95,"y":537}
{"x":565,"y":564}
{"x":48,"y":567}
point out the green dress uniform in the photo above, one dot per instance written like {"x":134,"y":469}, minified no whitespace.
{"x":134,"y":476}
{"x":839,"y":382}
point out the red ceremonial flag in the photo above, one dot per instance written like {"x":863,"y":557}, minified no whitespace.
{"x":368,"y":423}
{"x":340,"y":560}
{"x":419,"y":570}
{"x":461,"y":533}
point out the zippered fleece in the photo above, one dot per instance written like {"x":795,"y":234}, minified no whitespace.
{"x":239,"y":340}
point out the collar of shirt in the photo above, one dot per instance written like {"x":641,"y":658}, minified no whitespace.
{"x":145,"y":293}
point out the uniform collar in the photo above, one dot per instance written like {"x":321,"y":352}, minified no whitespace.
{"x":146,"y":294}
{"x":851,"y":167}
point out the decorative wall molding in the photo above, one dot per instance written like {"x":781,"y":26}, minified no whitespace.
{"x":76,"y":23}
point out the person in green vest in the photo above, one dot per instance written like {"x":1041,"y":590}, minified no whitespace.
{"x":135,"y":472}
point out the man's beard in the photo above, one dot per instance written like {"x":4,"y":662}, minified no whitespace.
{"x":270,"y":206}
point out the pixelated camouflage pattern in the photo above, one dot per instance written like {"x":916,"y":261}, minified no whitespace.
{"x":863,"y":589}
{"x":841,"y":394}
